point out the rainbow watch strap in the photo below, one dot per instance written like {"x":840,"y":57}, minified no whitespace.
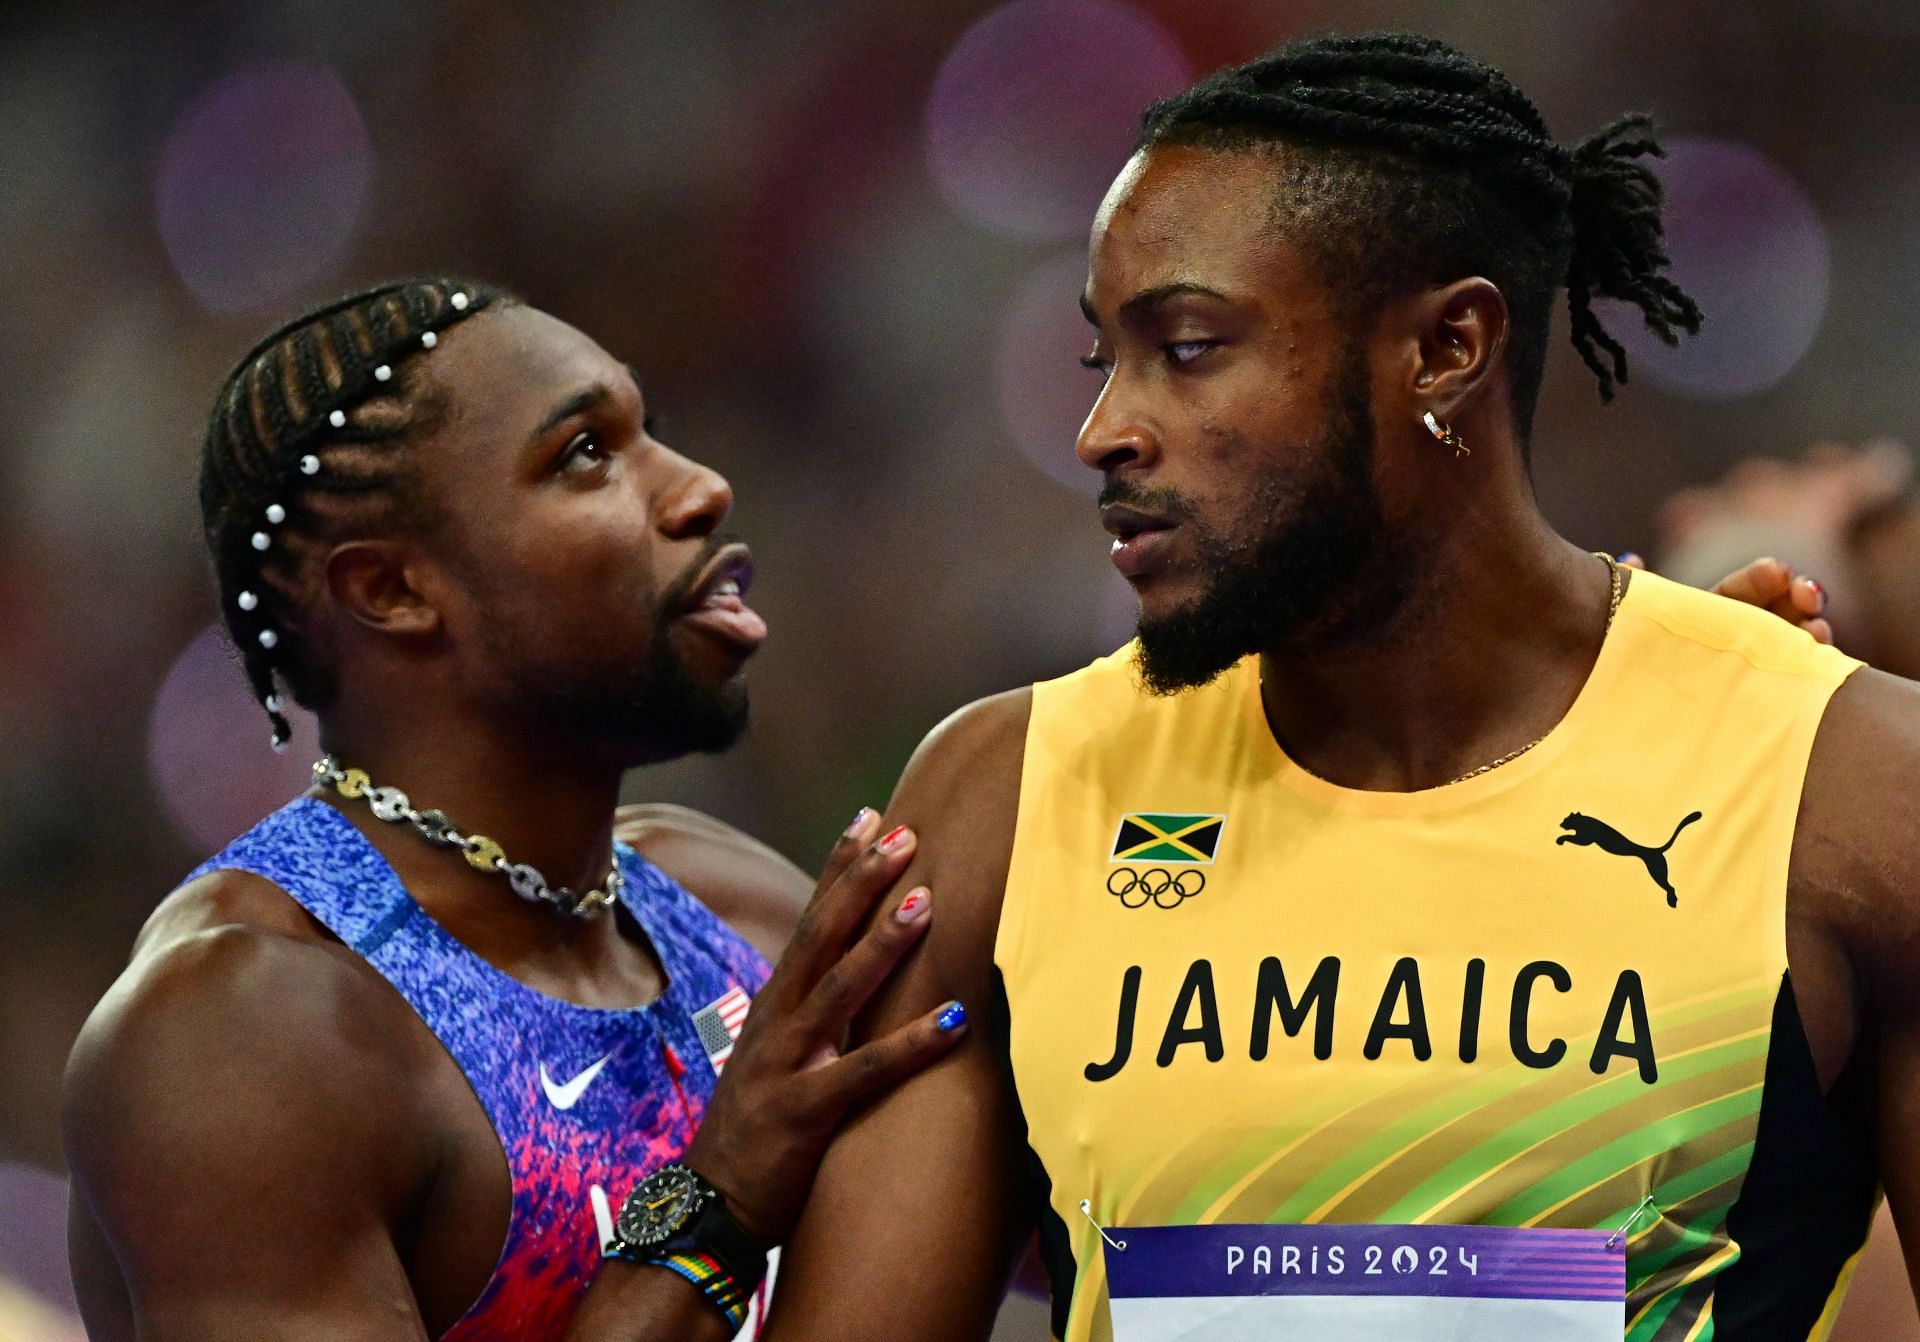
{"x":712,"y":1281}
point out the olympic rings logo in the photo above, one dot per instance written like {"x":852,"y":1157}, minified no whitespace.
{"x":1165,"y":888}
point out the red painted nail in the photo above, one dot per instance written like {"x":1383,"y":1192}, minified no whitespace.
{"x":894,"y":839}
{"x":912,"y":906}
{"x":1818,"y":591}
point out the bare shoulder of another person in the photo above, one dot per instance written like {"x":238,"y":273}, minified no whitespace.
{"x":215,"y":1114}
{"x":758,"y":893}
{"x":919,"y":1207}
{"x":1854,"y":917}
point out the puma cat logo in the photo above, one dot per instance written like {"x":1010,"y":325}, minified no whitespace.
{"x":1584,"y":829}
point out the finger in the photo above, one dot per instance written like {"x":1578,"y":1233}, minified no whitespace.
{"x":852,"y":980}
{"x":873,"y":1069}
{"x":1760,"y":583}
{"x":847,"y":847}
{"x":1631,"y":559}
{"x":840,"y":906}
{"x":1808,"y":597}
{"x":1820,"y":629}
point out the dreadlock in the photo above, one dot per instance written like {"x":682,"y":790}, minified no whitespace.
{"x":1413,"y":163}
{"x":308,"y":445}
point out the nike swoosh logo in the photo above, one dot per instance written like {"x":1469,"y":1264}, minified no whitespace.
{"x":568,"y":1095}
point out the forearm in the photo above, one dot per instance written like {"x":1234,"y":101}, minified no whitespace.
{"x":629,"y":1302}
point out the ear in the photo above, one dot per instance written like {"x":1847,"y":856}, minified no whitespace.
{"x":375,"y":583}
{"x":1459,"y":335}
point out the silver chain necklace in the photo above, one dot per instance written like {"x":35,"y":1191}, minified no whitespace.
{"x":482,"y":854}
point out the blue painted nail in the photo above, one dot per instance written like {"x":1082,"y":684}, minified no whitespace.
{"x":859,"y":819}
{"x":1628,"y":557}
{"x":952,"y":1018}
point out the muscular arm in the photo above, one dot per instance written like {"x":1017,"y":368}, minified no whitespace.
{"x":253,"y":1119}
{"x":1853,"y":928}
{"x":222,"y":1148}
{"x":917,"y":1211}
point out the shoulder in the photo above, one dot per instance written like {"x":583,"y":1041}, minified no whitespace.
{"x":232,"y":1003}
{"x":1856,"y":849}
{"x":1863,"y":779}
{"x":754,"y":890}
{"x":988,"y":734}
{"x":1712,"y":628}
{"x":960,"y":793}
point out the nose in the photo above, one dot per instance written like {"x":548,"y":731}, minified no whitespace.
{"x":697,"y":502}
{"x":1115,"y":436}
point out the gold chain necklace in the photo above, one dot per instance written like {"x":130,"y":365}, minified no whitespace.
{"x":1616,"y":587}
{"x":482,"y":854}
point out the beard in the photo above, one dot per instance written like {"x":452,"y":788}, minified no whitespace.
{"x":1322,"y":571}
{"x":640,"y":711}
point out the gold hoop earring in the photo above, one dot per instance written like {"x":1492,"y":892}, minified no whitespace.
{"x":1445,"y":433}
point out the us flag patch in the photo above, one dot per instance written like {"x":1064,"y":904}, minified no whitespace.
{"x":719,"y":1026}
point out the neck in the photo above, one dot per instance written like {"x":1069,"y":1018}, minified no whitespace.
{"x":550,"y":812}
{"x":1485,"y":656}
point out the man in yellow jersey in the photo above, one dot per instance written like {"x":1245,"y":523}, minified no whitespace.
{"x":1351,"y":959}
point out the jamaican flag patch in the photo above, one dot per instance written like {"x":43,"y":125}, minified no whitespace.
{"x":1152,"y":837}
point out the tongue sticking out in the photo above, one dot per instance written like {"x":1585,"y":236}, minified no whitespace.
{"x":728,"y":616}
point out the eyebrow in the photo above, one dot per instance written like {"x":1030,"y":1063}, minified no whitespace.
{"x":587,"y":398}
{"x":1142,"y":304}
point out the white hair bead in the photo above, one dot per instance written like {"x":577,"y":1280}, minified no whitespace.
{"x":246,"y":601}
{"x":338,"y":419}
{"x":429,"y":340}
{"x":279,"y":743}
{"x":382,"y":373}
{"x":309,"y":465}
{"x":272,"y":702}
{"x":459,"y":302}
{"x":268,"y":638}
{"x":276,"y":514}
{"x":261,"y":540}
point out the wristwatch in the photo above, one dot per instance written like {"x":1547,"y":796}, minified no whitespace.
{"x":675,"y":1219}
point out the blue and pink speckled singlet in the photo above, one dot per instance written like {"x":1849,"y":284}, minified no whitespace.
{"x":586,"y":1102}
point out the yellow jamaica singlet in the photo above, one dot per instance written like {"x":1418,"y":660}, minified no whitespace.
{"x":1552,"y":995}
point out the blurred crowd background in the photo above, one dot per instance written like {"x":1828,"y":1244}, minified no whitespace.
{"x":842,"y":240}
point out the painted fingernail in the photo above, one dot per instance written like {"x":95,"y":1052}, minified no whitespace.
{"x":1818,"y":591}
{"x":860,"y":818}
{"x":1629,"y":557}
{"x":893,"y":840}
{"x":914,"y":906}
{"x":952,"y":1018}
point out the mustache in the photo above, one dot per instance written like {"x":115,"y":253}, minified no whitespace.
{"x":1158,"y":500}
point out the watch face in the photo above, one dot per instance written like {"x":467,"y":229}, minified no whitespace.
{"x":660,"y":1207}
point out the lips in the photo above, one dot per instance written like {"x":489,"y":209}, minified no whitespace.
{"x":1140,"y":539}
{"x":717,"y":606}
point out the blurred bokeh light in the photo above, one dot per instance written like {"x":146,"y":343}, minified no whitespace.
{"x":262,"y":182}
{"x":33,"y":1249}
{"x":1035,"y":108}
{"x":1749,"y":247}
{"x":1043,"y":393}
{"x":207,"y":747}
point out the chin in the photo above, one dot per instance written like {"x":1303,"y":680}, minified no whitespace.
{"x":1166,"y":597}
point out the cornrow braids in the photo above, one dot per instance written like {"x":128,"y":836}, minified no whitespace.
{"x":1408,"y":162}
{"x":307,"y":445}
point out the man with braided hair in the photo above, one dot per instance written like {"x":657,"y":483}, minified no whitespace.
{"x":1353,"y":960}
{"x":350,"y":1086}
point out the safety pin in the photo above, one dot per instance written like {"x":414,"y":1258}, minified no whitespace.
{"x":1086,"y":1210}
{"x":1627,"y":1224}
